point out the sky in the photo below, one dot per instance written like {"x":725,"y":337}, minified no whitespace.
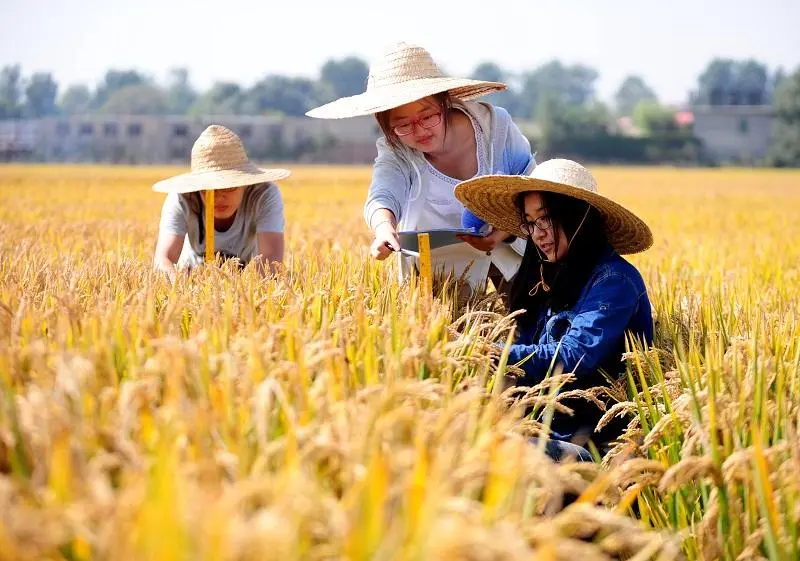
{"x":667,"y":43}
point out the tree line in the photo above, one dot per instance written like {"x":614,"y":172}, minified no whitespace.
{"x":560,"y":98}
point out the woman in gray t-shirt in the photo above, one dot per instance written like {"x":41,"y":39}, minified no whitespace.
{"x":248,"y":207}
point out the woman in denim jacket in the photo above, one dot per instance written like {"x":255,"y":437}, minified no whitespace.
{"x":434,"y":137}
{"x":580,"y":298}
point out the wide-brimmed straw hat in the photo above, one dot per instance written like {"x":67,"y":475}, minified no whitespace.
{"x":219,"y":161}
{"x":405,"y":73}
{"x":493,"y":198}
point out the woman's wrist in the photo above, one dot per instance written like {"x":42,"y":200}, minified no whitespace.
{"x":382,"y":222}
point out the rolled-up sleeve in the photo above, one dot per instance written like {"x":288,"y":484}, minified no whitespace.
{"x":173,"y":216}
{"x":390,"y":184}
{"x":269,"y":210}
{"x":518,"y":158}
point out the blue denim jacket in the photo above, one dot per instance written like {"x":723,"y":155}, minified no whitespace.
{"x":591,"y":336}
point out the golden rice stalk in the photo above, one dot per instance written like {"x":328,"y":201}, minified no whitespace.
{"x":687,"y":470}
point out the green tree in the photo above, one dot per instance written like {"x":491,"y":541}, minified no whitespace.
{"x":223,"y":98}
{"x":752,"y":83}
{"x":114,"y":81}
{"x":491,"y":72}
{"x":560,"y":122}
{"x":785,"y":146}
{"x":569,"y":85}
{"x":76,"y":100}
{"x":715,"y":83}
{"x":10,"y":92}
{"x":285,"y":95}
{"x":40,"y":96}
{"x":654,"y":119}
{"x":730,"y":82}
{"x":775,"y":82}
{"x":631,"y":92}
{"x":138,"y":99}
{"x":346,"y":77}
{"x":180,"y":94}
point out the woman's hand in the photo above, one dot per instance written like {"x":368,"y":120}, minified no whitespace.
{"x":168,"y":270}
{"x":484,"y":243}
{"x":270,"y":252}
{"x":386,"y":241}
{"x":167,"y":253}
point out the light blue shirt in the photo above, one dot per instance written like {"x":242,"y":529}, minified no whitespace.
{"x":399,"y":175}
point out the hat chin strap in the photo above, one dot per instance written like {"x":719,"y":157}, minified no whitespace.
{"x":578,"y":229}
{"x":542,"y":284}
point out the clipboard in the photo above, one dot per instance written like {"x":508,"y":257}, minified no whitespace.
{"x":441,"y":237}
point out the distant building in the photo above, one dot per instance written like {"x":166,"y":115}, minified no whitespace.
{"x":150,"y":139}
{"x":734,"y":133}
{"x":18,"y":140}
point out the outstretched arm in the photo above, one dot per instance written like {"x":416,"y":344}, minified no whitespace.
{"x":388,"y":192}
{"x":167,"y":253}
{"x":171,"y":233}
{"x":270,"y":251}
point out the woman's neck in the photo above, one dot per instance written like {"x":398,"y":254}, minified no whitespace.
{"x":458,"y":157}
{"x":224,"y":224}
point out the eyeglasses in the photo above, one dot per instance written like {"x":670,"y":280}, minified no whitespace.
{"x":425,"y":122}
{"x":544,"y":223}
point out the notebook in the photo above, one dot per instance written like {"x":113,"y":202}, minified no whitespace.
{"x":439,"y":237}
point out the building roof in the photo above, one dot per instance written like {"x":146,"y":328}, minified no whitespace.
{"x":737,"y":110}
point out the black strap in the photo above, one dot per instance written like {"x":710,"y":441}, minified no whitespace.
{"x":202,"y":222}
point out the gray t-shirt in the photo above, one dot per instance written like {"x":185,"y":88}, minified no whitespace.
{"x":261,"y":211}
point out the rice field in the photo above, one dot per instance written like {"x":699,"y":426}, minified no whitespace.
{"x":332,"y":413}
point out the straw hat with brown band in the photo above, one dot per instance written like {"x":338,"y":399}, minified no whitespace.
{"x":404,"y":74}
{"x":493,"y":198}
{"x":219,"y":161}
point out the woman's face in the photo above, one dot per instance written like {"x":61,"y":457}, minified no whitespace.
{"x":419,"y":125}
{"x":550,"y":239}
{"x":226,"y":201}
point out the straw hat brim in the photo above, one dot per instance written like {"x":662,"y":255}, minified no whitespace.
{"x":383,"y":98}
{"x":241,"y":176}
{"x":493,"y":199}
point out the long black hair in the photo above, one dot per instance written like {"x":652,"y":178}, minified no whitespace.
{"x":565,"y":278}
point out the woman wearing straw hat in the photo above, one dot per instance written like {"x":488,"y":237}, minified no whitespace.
{"x":580,"y":298}
{"x":248,"y":207}
{"x":434,"y":137}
